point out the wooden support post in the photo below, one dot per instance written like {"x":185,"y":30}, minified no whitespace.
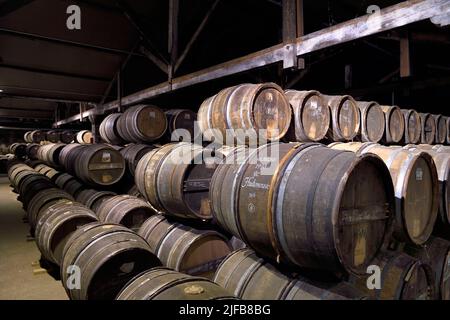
{"x":173,"y":36}
{"x":348,"y":76}
{"x":405,"y":56}
{"x":293,"y":27}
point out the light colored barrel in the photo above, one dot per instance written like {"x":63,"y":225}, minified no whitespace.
{"x":372,"y":121}
{"x":441,"y":129}
{"x":395,"y":124}
{"x":413,"y":128}
{"x":84,"y":137}
{"x":345,"y":118}
{"x":311,"y":116}
{"x":108,"y":129}
{"x":428,"y":126}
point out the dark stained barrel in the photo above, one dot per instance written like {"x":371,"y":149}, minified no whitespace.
{"x":402,"y":278}
{"x":132,"y":153}
{"x":68,"y":156}
{"x":142,"y":123}
{"x":395,"y":124}
{"x":250,"y":277}
{"x":441,"y":129}
{"x":247,"y":107}
{"x":372,"y":121}
{"x":182,"y":248}
{"x":92,"y":198}
{"x":442,"y":162}
{"x":428,"y":126}
{"x":345,"y":118}
{"x":15,"y":169}
{"x":108,"y":256}
{"x":436,"y":253}
{"x":125,"y":210}
{"x":73,"y":187}
{"x":56,"y":224}
{"x":53,"y":136}
{"x":166,"y":284}
{"x":32,"y":151}
{"x":42,"y":198}
{"x":175,"y":179}
{"x":181,"y":123}
{"x":19,"y":150}
{"x":67,"y":136}
{"x":416,"y":189}
{"x":269,"y":200}
{"x":99,"y":165}
{"x":311,"y":116}
{"x":37,"y":136}
{"x":30,"y":186}
{"x":108,"y":129}
{"x":83,"y":137}
{"x":413,"y":128}
{"x":63,"y":179}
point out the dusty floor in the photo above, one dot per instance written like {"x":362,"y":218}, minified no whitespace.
{"x":17,"y":280}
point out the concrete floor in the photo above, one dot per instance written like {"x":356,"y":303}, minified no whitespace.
{"x":17,"y":280}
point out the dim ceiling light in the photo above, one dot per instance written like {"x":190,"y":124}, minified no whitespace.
{"x":1,"y":90}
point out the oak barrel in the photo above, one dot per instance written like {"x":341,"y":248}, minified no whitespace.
{"x":402,"y":278}
{"x":108,"y":256}
{"x":125,"y":210}
{"x":108,"y":129}
{"x":175,"y":179}
{"x":83,"y":137}
{"x":345,"y":118}
{"x":132,"y":153}
{"x":142,"y":123}
{"x":37,"y":136}
{"x":436,"y":253}
{"x":67,"y":136}
{"x":428,"y":126}
{"x":166,"y":284}
{"x":441,"y":129}
{"x":99,"y":165}
{"x":395,"y":124}
{"x":306,"y":204}
{"x":32,"y":151}
{"x":311,"y":116}
{"x":246,"y":112}
{"x":250,"y":277}
{"x":56,"y":224}
{"x":92,"y":198}
{"x":183,"y":248}
{"x":68,"y":156}
{"x":373,"y":122}
{"x":53,"y":136}
{"x":49,"y":153}
{"x":413,"y":128}
{"x":416,"y":188}
{"x":181,"y":124}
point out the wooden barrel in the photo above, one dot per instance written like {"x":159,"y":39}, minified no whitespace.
{"x":63,"y":179}
{"x":49,"y":153}
{"x":53,"y":174}
{"x":19,"y":150}
{"x":92,"y":198}
{"x":311,"y":116}
{"x":142,"y":123}
{"x":37,"y":136}
{"x":27,"y":137}
{"x":372,"y":121}
{"x":416,"y":187}
{"x":15,"y":169}
{"x":258,"y":110}
{"x":236,"y":243}
{"x":108,"y":129}
{"x":32,"y":185}
{"x":250,"y":277}
{"x":125,"y":210}
{"x":436,"y":253}
{"x":413,"y":127}
{"x":183,"y":248}
{"x":68,"y":156}
{"x":83,"y":137}
{"x":181,"y":123}
{"x":99,"y":165}
{"x":175,"y":179}
{"x":32,"y":151}
{"x":132,"y":153}
{"x":402,"y":278}
{"x":395,"y":124}
{"x":134,"y":191}
{"x":166,"y":284}
{"x":441,"y":128}
{"x":108,"y":256}
{"x":67,"y":136}
{"x":55,"y":226}
{"x":53,"y":136}
{"x":73,"y":187}
{"x":269,"y":201}
{"x":442,"y":162}
{"x":428,"y":126}
{"x":42,"y":198}
{"x":345,"y":118}
{"x":447,"y":123}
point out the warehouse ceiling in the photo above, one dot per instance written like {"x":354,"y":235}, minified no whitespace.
{"x":41,"y":58}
